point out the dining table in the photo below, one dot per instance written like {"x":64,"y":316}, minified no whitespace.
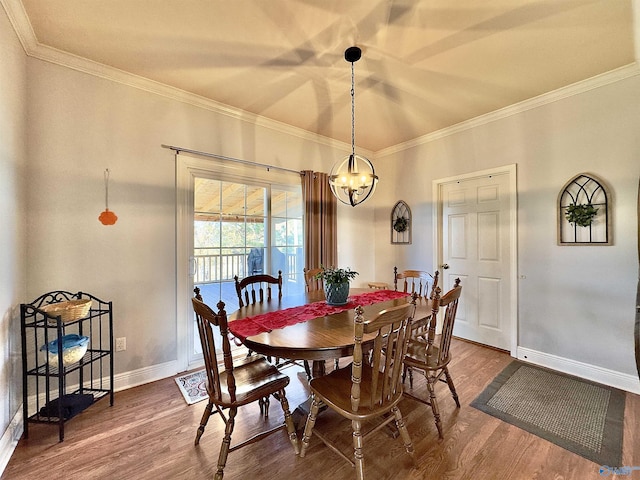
{"x":305,"y":327}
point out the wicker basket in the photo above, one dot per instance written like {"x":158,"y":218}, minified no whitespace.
{"x":69,"y":311}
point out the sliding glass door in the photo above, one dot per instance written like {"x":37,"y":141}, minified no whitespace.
{"x":238,"y":226}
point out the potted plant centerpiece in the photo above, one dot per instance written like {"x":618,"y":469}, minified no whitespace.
{"x":336,"y":284}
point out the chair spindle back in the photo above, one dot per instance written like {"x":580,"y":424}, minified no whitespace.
{"x":393,"y":327}
{"x":414,"y":281}
{"x":252,"y":289}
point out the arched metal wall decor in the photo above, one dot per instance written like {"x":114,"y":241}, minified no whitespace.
{"x":401,"y":223}
{"x":584,"y":212}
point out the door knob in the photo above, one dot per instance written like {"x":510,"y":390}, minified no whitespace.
{"x":444,"y":266}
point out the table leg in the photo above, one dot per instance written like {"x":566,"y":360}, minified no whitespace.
{"x":319,"y":368}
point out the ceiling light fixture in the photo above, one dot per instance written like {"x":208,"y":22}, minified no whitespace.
{"x":353,"y":179}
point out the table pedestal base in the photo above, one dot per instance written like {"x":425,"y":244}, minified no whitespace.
{"x":301,"y":412}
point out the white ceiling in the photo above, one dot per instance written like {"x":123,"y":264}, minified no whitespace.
{"x":426,"y":65}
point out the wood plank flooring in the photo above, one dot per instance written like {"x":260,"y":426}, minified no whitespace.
{"x":149,"y":434}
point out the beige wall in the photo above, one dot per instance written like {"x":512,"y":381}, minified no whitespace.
{"x":13,"y":156}
{"x":80,"y":125}
{"x":576,"y":304}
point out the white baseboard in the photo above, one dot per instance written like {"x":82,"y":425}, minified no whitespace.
{"x":10,"y":438}
{"x":134,"y":378}
{"x":629,"y":383}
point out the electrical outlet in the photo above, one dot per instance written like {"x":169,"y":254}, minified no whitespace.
{"x":121,"y":344}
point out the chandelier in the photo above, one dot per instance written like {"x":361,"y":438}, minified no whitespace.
{"x":353,"y":179}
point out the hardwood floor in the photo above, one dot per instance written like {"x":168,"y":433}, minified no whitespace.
{"x":149,"y":434}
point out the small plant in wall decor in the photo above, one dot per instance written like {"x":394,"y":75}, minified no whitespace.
{"x":584,"y":212}
{"x":400,"y":224}
{"x":581,"y":215}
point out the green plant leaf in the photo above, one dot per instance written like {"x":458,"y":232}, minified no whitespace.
{"x":332,"y":275}
{"x":400,"y":224}
{"x":581,"y":215}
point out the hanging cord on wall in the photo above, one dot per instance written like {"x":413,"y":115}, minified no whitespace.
{"x":107,"y":217}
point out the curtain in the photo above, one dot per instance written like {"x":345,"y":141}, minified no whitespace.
{"x":320,"y":220}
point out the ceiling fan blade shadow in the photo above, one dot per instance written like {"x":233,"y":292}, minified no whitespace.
{"x":510,"y":20}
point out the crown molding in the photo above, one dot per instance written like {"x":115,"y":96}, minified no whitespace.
{"x":22,"y":26}
{"x":582,"y":86}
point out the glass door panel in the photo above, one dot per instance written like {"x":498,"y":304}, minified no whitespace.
{"x":230,"y":238}
{"x":287,"y":238}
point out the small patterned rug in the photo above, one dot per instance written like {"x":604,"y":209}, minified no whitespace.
{"x":580,"y":416}
{"x":192,"y":386}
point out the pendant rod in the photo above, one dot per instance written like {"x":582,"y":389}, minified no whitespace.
{"x":230,"y":159}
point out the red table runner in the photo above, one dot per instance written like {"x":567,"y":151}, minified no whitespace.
{"x":246,"y":327}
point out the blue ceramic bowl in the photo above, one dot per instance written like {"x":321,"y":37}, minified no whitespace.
{"x":73,"y":349}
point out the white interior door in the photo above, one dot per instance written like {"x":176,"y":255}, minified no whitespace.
{"x":477,"y":244}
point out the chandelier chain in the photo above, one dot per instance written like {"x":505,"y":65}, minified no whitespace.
{"x":353,"y":111}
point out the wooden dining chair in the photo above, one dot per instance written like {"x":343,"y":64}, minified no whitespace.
{"x":431,"y":357}
{"x":248,"y":381}
{"x":258,"y":288}
{"x":413,"y":281}
{"x":370,"y":389}
{"x":312,"y":283}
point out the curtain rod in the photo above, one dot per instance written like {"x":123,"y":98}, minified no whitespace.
{"x":222,"y":157}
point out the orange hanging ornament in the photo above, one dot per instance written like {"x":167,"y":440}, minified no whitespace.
{"x":107,"y":217}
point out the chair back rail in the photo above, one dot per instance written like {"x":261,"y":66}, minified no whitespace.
{"x":434,"y":284}
{"x":450,"y":301}
{"x":433,"y":321}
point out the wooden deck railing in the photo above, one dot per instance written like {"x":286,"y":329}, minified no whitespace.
{"x":211,"y":268}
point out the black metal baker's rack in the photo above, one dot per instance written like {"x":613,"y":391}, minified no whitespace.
{"x":46,"y":384}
